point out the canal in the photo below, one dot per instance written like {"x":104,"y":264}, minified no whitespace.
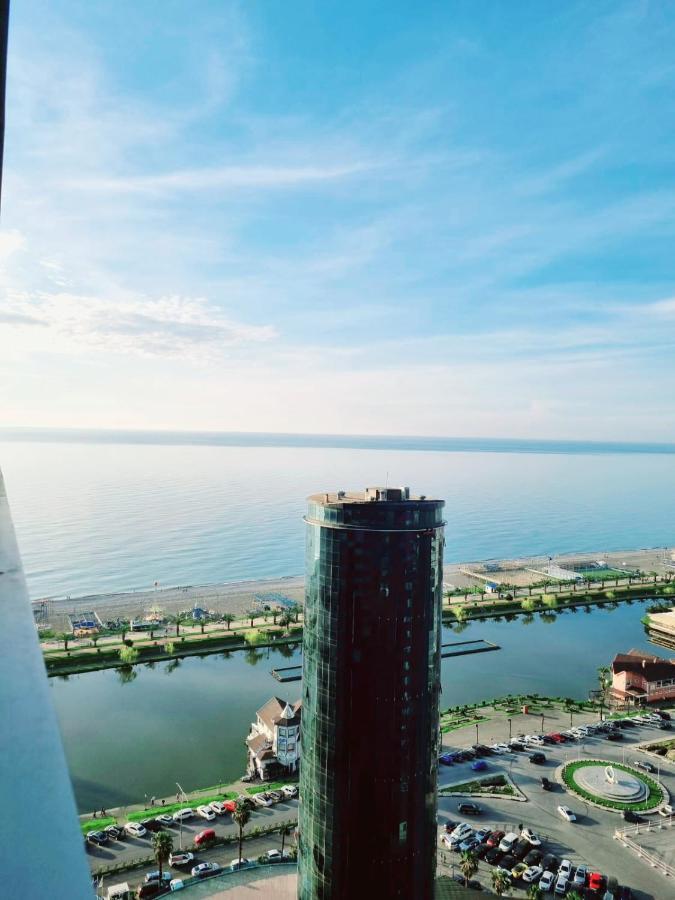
{"x":130,"y":735}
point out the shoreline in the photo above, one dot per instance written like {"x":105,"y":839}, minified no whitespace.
{"x":238,"y":596}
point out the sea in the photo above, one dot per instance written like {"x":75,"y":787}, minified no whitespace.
{"x":100,"y":512}
{"x":113,"y":511}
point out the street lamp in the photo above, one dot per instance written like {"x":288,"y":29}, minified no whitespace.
{"x":476,"y":732}
{"x":542,"y":721}
{"x":509,"y":721}
{"x":183,"y":795}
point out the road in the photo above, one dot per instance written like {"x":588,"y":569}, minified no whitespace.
{"x":590,"y":840}
{"x":130,"y":849}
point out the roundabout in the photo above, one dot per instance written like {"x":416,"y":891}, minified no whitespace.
{"x":612,"y":785}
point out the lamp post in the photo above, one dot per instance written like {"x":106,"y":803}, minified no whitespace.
{"x":183,"y":796}
{"x":476,"y":732}
{"x":542,"y":721}
{"x":509,"y":721}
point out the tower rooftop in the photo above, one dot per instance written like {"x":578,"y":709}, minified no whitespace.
{"x":370,"y":495}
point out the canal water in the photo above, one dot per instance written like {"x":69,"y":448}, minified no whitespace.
{"x":186,"y":721}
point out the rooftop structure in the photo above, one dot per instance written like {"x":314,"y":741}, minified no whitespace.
{"x":274,"y":741}
{"x":639,"y":677}
{"x":371,"y":667}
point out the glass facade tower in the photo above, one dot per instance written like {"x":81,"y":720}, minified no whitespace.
{"x":371,"y":680}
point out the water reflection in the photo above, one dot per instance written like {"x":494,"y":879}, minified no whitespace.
{"x":127,"y":674}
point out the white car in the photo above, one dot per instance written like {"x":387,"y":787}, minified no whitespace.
{"x":204,"y":869}
{"x":165,"y":819}
{"x":206,"y":813}
{"x":566,"y":868}
{"x":666,"y":811}
{"x":277,"y":855}
{"x":262,"y":800}
{"x":241,"y":863}
{"x":546,"y":882}
{"x":218,"y":807}
{"x":534,"y":739}
{"x":500,"y":748}
{"x":530,"y":837}
{"x":181,"y":858}
{"x":289,"y":790}
{"x":135,"y":829}
{"x":176,"y":884}
{"x":567,"y":813}
{"x":532,"y":873}
{"x":561,"y":884}
{"x":181,"y":815}
{"x":508,"y":842}
{"x":454,"y":840}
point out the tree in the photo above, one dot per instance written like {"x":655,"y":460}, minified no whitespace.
{"x":574,"y":895}
{"x":285,"y":831}
{"x":468,"y":865}
{"x":202,"y":625}
{"x":241,"y":816}
{"x":294,"y":610}
{"x":162,"y":847}
{"x":229,"y":619}
{"x":500,"y":882}
{"x":95,"y":639}
{"x":534,"y":892}
{"x":550,"y":601}
{"x":128,"y":655}
{"x":65,"y":638}
{"x":285,"y":618}
{"x":528,"y":604}
{"x":604,"y":677}
{"x":251,"y":614}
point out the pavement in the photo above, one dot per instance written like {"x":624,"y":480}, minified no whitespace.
{"x":590,"y":840}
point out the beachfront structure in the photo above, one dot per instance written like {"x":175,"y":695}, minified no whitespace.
{"x":371,"y":679}
{"x":662,"y":629}
{"x":274,"y":740}
{"x":639,"y":678}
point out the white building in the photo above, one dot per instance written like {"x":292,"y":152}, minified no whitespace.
{"x":274,"y":741}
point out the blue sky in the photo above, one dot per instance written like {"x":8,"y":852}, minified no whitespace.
{"x":358,"y":217}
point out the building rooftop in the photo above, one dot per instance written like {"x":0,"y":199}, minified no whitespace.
{"x":371,"y":495}
{"x":651,"y":667}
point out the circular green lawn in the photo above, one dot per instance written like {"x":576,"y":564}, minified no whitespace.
{"x":655,"y":792}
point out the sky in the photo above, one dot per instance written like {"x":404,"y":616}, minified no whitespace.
{"x":449,"y":218}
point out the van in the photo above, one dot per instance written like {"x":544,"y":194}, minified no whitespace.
{"x":204,"y":837}
{"x":508,"y":842}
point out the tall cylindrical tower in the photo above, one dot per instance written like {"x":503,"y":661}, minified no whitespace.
{"x":371,"y":678}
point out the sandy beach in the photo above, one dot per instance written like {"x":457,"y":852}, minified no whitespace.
{"x":237,"y":597}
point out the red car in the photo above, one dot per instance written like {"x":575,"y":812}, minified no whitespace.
{"x":596,"y":881}
{"x":205,"y":837}
{"x":495,"y":838}
{"x":558,"y":738}
{"x":230,"y":805}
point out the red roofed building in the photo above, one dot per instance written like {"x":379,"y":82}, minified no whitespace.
{"x":274,"y":742}
{"x":641,"y":678}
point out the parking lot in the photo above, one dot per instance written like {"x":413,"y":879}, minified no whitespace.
{"x":589,"y":841}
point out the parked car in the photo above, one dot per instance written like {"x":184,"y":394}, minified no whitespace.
{"x":561,"y":883}
{"x":241,"y":863}
{"x":517,"y":870}
{"x":537,"y":758}
{"x":205,"y":837}
{"x":469,"y":843}
{"x":566,"y":868}
{"x":518,"y":746}
{"x":666,"y":811}
{"x":546,"y":784}
{"x":202,"y":870}
{"x":135,"y":829}
{"x":115,"y":832}
{"x":446,"y":759}
{"x":182,"y":815}
{"x":493,"y":855}
{"x":546,"y":882}
{"x":206,"y":813}
{"x":643,"y":764}
{"x":165,"y":819}
{"x":550,"y":862}
{"x":532,"y":874}
{"x":483,"y":834}
{"x":262,"y":800}
{"x":614,"y":736}
{"x":567,"y":813}
{"x":579,"y":879}
{"x":176,"y":884}
{"x":495,"y":838}
{"x":533,"y":858}
{"x":470,"y":809}
{"x":151,"y":889}
{"x":218,"y":807}
{"x":154,"y":876}
{"x":97,"y":837}
{"x":275,"y":856}
{"x":624,"y":893}
{"x":500,"y":749}
{"x":482,"y":851}
{"x":531,"y":837}
{"x":521,"y":849}
{"x":507,"y":863}
{"x":508,"y":842}
{"x":596,"y":881}
{"x":290,"y":791}
{"x":231,"y":805}
{"x":152,"y":825}
{"x":479,"y":766}
{"x":181,"y":858}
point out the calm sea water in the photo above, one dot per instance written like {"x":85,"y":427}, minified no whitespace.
{"x":108,"y":513}
{"x":97,"y":515}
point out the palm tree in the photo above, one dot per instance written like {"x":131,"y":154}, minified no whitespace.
{"x":241,"y":816}
{"x":162,"y":846}
{"x":285,"y":618}
{"x":574,"y":895}
{"x":534,"y":892}
{"x":65,"y":638}
{"x":468,"y":865}
{"x":604,"y":677}
{"x":500,"y":882}
{"x":229,"y":618}
{"x":251,"y":614}
{"x":284,"y":831}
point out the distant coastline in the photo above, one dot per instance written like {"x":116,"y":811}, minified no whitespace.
{"x":334,"y":441}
